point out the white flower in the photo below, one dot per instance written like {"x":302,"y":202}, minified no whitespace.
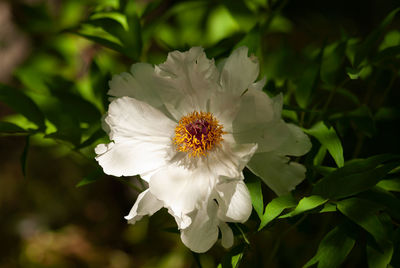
{"x":189,"y":129}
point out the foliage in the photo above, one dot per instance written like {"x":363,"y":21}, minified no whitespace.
{"x":339,"y":86}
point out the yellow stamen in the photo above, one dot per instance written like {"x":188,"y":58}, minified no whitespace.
{"x":197,"y":133}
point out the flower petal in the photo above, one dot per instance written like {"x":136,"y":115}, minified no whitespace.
{"x":146,"y":204}
{"x":277,"y":172}
{"x":296,"y":144}
{"x":142,"y":138}
{"x":141,"y":83}
{"x":227,"y":235}
{"x":191,"y":78}
{"x":181,"y":189}
{"x":239,"y":71}
{"x":201,"y":235}
{"x":234,"y":201}
{"x":131,"y":119}
{"x":230,"y":159}
{"x":130,"y":158}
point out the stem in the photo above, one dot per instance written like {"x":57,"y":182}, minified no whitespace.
{"x":331,"y":95}
{"x":243,"y":234}
{"x":279,"y":239}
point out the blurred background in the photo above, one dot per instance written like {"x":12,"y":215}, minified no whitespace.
{"x":62,"y":53}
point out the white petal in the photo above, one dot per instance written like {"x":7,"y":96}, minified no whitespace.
{"x":142,"y":138}
{"x":259,"y":120}
{"x":203,"y":232}
{"x":258,"y":85}
{"x":230,"y":159}
{"x":277,"y":172}
{"x":296,"y":144}
{"x":146,"y":204}
{"x":181,"y":189}
{"x":141,"y":83}
{"x":227,"y":235}
{"x":234,"y":201}
{"x":191,"y":78}
{"x":130,"y":119}
{"x":131,"y":158}
{"x":239,"y":71}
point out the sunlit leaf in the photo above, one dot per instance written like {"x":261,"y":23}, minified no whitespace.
{"x":390,"y":184}
{"x":22,"y":104}
{"x":254,"y":186}
{"x":328,"y":138}
{"x":306,"y":204}
{"x":276,"y":207}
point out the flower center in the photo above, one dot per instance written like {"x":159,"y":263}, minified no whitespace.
{"x":197,"y":133}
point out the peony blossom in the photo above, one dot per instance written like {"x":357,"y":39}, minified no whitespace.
{"x":189,"y":128}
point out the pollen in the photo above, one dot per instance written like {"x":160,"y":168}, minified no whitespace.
{"x":198,"y":133}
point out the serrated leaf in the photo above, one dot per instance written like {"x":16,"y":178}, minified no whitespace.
{"x":22,"y":104}
{"x":364,"y":213}
{"x":254,"y":186}
{"x":333,"y":249}
{"x":306,"y":204}
{"x":356,"y":176}
{"x":276,"y":207}
{"x":328,"y":138}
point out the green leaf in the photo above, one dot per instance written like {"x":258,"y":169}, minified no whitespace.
{"x":386,"y":199}
{"x":333,"y":249}
{"x":92,"y":177}
{"x":103,"y":41}
{"x":251,"y":40}
{"x":10,"y":128}
{"x":306,"y":204}
{"x":366,"y":47}
{"x":387,"y":53}
{"x":109,"y":25}
{"x":94,"y":137}
{"x":133,"y":40}
{"x":356,"y":176}
{"x":233,"y":257}
{"x":68,"y":128}
{"x":392,"y":185}
{"x":254,"y":186}
{"x":379,"y":259}
{"x":276,"y":207}
{"x":328,"y":138}
{"x":23,"y":105}
{"x":332,"y":61}
{"x":364,"y":213}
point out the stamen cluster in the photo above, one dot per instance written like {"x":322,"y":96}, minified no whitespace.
{"x":198,"y":133}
